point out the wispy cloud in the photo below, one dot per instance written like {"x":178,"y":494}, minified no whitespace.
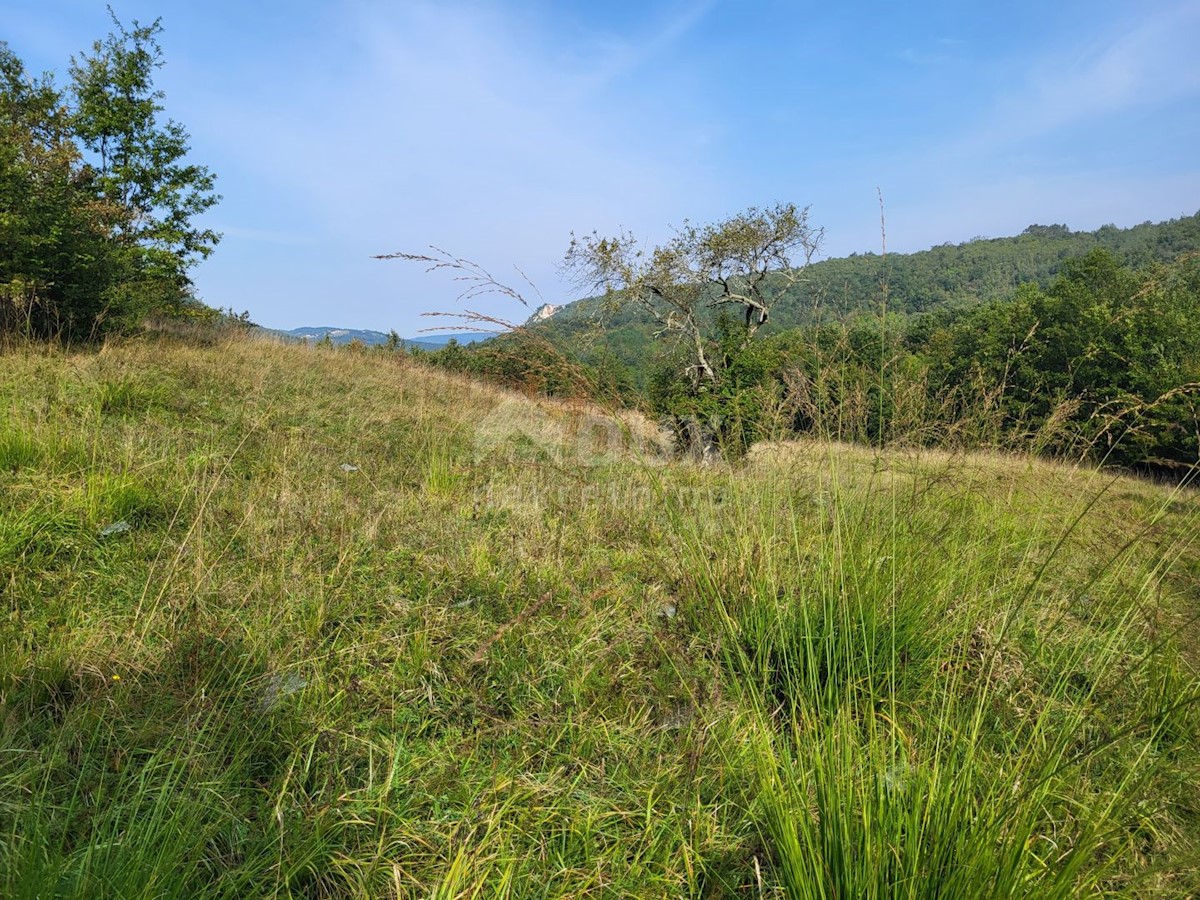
{"x":622,"y":55}
{"x":457,"y":125}
{"x":1152,"y":62}
{"x":495,"y":127}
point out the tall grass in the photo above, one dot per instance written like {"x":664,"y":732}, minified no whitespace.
{"x":377,"y":631}
{"x":912,"y":730}
{"x":844,"y":392}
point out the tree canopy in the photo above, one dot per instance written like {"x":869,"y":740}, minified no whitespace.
{"x":97,"y":199}
{"x":711,"y":266}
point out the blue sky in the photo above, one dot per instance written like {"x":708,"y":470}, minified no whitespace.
{"x":493,"y":129}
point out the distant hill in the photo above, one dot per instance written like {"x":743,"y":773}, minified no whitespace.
{"x":372,"y":338}
{"x":443,"y":338}
{"x":946,"y":276}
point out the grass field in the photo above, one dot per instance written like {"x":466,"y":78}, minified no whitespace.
{"x":289,"y":621}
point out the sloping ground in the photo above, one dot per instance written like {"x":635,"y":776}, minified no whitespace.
{"x":286,"y":621}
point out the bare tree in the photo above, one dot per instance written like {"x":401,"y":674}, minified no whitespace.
{"x":748,"y":260}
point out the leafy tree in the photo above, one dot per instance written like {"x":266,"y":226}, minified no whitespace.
{"x":1047,"y":231}
{"x":1115,"y":351}
{"x":688,"y":286}
{"x":140,"y":160}
{"x":730,"y":413}
{"x":96,"y":201}
{"x":703,"y":267}
{"x":55,"y":254}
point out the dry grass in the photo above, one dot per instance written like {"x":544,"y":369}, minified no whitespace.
{"x":383,"y":631}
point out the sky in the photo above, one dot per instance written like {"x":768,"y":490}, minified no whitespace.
{"x":494,"y":129}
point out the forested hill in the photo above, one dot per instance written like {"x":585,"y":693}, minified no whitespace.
{"x":963,"y":274}
{"x":976,"y":271}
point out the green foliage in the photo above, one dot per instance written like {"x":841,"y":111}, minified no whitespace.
{"x":141,"y":167}
{"x":1103,"y":361}
{"x":688,"y":286}
{"x":944,"y":278}
{"x":56,"y":258}
{"x":527,"y":363}
{"x":98,"y":200}
{"x":701,"y":272}
{"x":1114,"y":352}
{"x":733,"y":411}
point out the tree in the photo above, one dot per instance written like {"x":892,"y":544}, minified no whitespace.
{"x":55,"y":254}
{"x":704,"y":267}
{"x":1108,"y":354}
{"x":689,"y":286}
{"x":139,"y":160}
{"x":96,"y":200}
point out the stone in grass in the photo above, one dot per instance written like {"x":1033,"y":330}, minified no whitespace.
{"x":115,"y":528}
{"x":279,"y":686}
{"x":346,"y":467}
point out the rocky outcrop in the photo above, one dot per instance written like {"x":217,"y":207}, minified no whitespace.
{"x":543,"y":312}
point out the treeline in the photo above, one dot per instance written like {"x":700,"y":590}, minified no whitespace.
{"x":976,"y":271}
{"x":97,"y":199}
{"x":1103,"y":362}
{"x":950,"y":276}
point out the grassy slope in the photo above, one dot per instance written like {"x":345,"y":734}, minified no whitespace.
{"x":514,"y":652}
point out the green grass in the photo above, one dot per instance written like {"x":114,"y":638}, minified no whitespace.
{"x":375,"y":631}
{"x":904,"y":743}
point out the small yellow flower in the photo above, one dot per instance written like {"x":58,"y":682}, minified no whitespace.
{"x":116,"y":678}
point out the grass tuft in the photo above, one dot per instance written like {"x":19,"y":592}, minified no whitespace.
{"x":376,"y":631}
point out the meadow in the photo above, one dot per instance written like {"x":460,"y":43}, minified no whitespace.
{"x":285,"y":621}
